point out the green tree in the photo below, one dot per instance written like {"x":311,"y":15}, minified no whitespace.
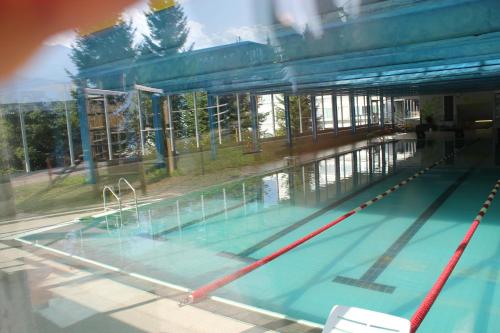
{"x":296,"y":112}
{"x":105,"y":57}
{"x":168,"y":32}
{"x":7,"y":141}
{"x":167,"y":36}
{"x":279,"y":112}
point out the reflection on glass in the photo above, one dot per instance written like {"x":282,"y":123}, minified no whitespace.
{"x":361,"y":110}
{"x":343,"y":111}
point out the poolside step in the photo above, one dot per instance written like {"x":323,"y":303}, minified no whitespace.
{"x":345,"y":319}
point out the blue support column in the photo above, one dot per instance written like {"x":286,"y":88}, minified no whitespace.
{"x":384,"y":163}
{"x":338,"y":183}
{"x":288,"y":122}
{"x":158,"y":125}
{"x":314,"y":119}
{"x":369,"y":110}
{"x":393,"y":113}
{"x":335,"y":115}
{"x":371,"y":167}
{"x":382,"y":111}
{"x":291,"y":184}
{"x":171,"y":127}
{"x":85,"y":135}
{"x":353,"y":113}
{"x":355,"y":178}
{"x":211,"y":124}
{"x":316,"y":182}
{"x":394,"y":157}
{"x":255,"y":122}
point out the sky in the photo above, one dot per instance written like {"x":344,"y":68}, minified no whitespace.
{"x":211,"y":23}
{"x":219,"y":22}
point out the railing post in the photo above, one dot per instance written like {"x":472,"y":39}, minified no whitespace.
{"x":24,"y":139}
{"x":196,"y":121}
{"x":69,"y":131}
{"x":211,"y":125}
{"x":288,"y":122}
{"x":108,"y":127}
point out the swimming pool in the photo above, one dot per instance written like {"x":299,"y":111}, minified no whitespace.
{"x":385,"y":258}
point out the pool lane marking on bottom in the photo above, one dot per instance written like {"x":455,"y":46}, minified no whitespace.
{"x":229,"y":255}
{"x":254,"y":248}
{"x":367,"y":280}
{"x":203,"y":291}
{"x":433,"y":294}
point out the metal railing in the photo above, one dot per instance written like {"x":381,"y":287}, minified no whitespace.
{"x":133,"y":191}
{"x":118,"y":198}
{"x":104,"y":190}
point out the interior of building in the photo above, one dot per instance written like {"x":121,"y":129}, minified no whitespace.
{"x":256,"y":166}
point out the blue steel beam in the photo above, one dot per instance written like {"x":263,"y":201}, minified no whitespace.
{"x":288,"y":122}
{"x":422,"y":22}
{"x":255,"y":122}
{"x":393,"y":113}
{"x":314,"y":119}
{"x":399,"y":45}
{"x":159,"y":133}
{"x":382,"y":111}
{"x":369,"y":110}
{"x":335,"y":115}
{"x":85,"y":135}
{"x":352,"y":108}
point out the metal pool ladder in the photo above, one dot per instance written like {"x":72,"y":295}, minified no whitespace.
{"x":119,"y":199}
{"x":133,"y":191}
{"x":110,"y":190}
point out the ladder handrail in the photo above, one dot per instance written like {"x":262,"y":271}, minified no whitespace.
{"x":133,"y":190}
{"x":108,"y":188}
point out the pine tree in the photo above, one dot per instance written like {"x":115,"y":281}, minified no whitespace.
{"x":168,"y":32}
{"x":279,"y":112}
{"x":167,"y":36}
{"x":7,"y":142}
{"x":105,"y":57}
{"x":305,"y":112}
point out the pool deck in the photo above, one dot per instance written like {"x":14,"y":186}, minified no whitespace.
{"x":47,"y":292}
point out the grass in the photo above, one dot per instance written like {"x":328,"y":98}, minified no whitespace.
{"x":193,"y":171}
{"x":41,"y":197}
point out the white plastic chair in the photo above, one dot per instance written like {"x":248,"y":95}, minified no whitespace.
{"x":345,"y":319}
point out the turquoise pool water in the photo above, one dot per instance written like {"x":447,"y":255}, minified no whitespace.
{"x":384,"y":258}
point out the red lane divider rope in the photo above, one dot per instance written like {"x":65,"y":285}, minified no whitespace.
{"x":428,"y":301}
{"x":201,"y":292}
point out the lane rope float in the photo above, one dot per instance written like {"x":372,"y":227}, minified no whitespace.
{"x":431,"y":296}
{"x":203,"y":291}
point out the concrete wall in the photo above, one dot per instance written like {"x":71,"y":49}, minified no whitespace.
{"x":475,"y":106}
{"x":468,"y":107}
